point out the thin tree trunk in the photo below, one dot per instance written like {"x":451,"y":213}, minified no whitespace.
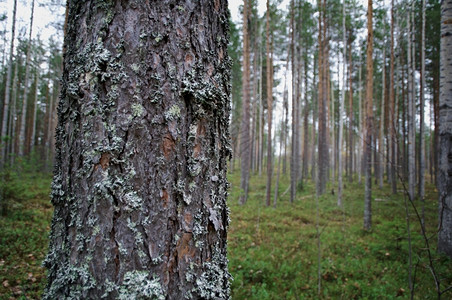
{"x":293,"y":166}
{"x":6,"y":107}
{"x":35,"y":112}
{"x":27,"y":75}
{"x":350,"y":108}
{"x":360,"y":122}
{"x":282,"y":136}
{"x":392,"y":114}
{"x":305,"y":125}
{"x":369,"y":121}
{"x":341,"y":108}
{"x":410,"y":115}
{"x":13,"y":113}
{"x":422,"y":125}
{"x":269,"y":107}
{"x":245,"y":126}
{"x":323,"y":155}
{"x":381,"y":146}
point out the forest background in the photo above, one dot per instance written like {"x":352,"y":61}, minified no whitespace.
{"x":301,"y":227}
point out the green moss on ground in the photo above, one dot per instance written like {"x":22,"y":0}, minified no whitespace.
{"x":272,"y":252}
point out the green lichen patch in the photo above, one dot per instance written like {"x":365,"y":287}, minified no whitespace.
{"x":139,"y":285}
{"x":173,"y":113}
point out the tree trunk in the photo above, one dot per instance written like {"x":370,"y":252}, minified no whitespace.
{"x":293,"y":165}
{"x":323,"y":155}
{"x":245,"y":151}
{"x":445,"y":132}
{"x":392,"y":114}
{"x":27,"y":75}
{"x":369,"y":122}
{"x":269,"y":107}
{"x":139,"y":184}
{"x":13,"y":113}
{"x":350,"y":108}
{"x":341,"y":108}
{"x":381,"y":146}
{"x":410,"y":116}
{"x":421,"y":150}
{"x":35,"y":112}
{"x":6,"y":108}
{"x":360,"y":122}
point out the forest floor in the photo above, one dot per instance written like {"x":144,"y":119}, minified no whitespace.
{"x":273,"y":252}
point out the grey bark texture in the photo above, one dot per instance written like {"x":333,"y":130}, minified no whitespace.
{"x":445,"y":132}
{"x":142,"y":143}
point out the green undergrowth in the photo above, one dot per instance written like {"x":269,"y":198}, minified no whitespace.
{"x":24,"y":227}
{"x":273,"y":252}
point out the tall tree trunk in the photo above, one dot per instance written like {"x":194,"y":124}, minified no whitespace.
{"x":13,"y":113}
{"x":305,"y":124}
{"x":421,"y":150}
{"x":392,"y":114}
{"x":140,"y":202}
{"x":269,"y":107}
{"x":381,"y":147}
{"x":27,"y":75}
{"x":293,"y":165}
{"x":341,"y":108}
{"x":360,"y":122}
{"x":323,"y":155}
{"x":35,"y":112}
{"x":245,"y":154}
{"x":6,"y":108}
{"x":350,"y":108}
{"x":445,"y":132}
{"x":410,"y":116}
{"x":369,"y":121}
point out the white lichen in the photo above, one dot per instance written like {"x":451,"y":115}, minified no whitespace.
{"x":139,"y":285}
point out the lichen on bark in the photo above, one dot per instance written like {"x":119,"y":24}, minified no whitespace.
{"x":140,"y":183}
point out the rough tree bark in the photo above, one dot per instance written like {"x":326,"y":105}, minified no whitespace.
{"x":411,"y":116}
{"x":245,"y":151}
{"x":139,"y":184}
{"x":369,"y":121}
{"x":445,"y":132}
